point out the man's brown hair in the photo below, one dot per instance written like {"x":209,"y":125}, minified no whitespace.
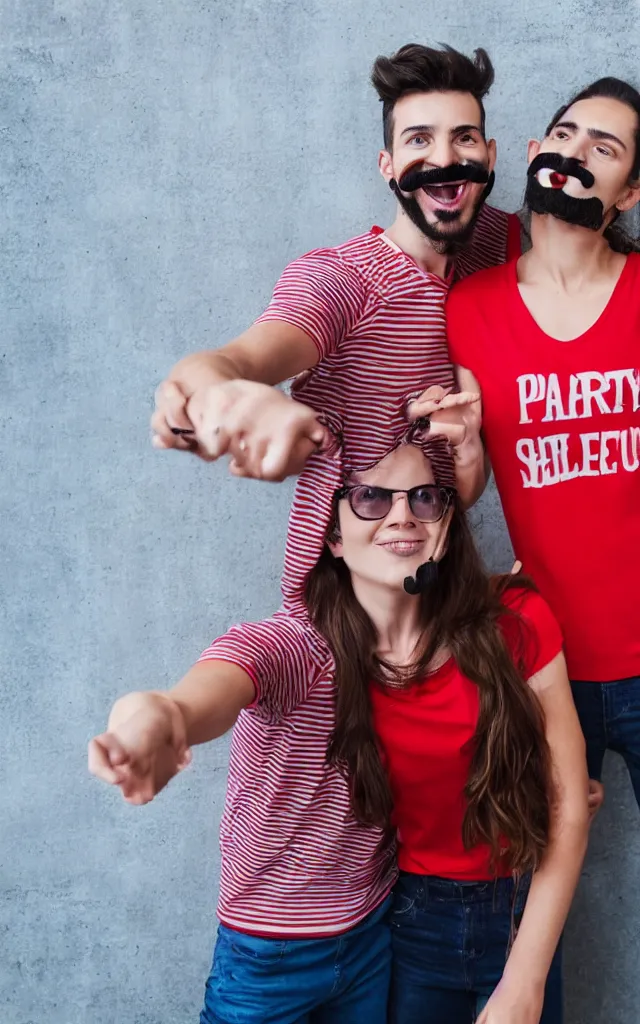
{"x":417,"y":68}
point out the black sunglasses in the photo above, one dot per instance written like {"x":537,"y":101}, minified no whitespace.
{"x":428,"y":502}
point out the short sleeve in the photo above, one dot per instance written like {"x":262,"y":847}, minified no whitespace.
{"x":322,"y":295}
{"x":531,"y":630}
{"x":459,"y":314}
{"x":276,"y":655}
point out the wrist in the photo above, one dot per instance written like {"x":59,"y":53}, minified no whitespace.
{"x":530,"y":977}
{"x":170,"y":710}
{"x":470,"y":449}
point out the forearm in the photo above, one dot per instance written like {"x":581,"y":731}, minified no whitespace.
{"x":472,"y":469}
{"x":548,"y":904}
{"x":202,"y":369}
{"x":266,"y":353}
{"x":209,"y":698}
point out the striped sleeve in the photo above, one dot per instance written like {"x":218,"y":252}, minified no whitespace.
{"x":276,"y":655}
{"x":321,"y":294}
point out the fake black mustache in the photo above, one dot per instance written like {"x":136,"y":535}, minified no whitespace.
{"x":414,"y":178}
{"x":566,"y":165}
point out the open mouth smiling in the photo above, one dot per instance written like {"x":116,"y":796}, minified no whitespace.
{"x":448,"y":194}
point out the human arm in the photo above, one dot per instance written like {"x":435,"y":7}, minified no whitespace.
{"x":149,"y":734}
{"x":225,"y":400}
{"x":457,"y":416}
{"x":518,"y":999}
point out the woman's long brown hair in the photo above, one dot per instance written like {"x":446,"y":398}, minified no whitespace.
{"x":509,"y":790}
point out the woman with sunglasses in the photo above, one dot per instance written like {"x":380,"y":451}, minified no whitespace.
{"x":376,"y":711}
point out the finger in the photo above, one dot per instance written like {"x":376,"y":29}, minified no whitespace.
{"x":163,"y":436}
{"x":105,"y":755}
{"x":516,"y":568}
{"x":460,"y":398}
{"x":433,"y":393}
{"x":171,"y":402}
{"x":426,"y":407}
{"x":185,"y":760}
{"x":320,"y":436}
{"x":421,"y":408}
{"x":286,"y":456}
{"x":214,"y":439}
{"x":596,"y":793}
{"x":246,"y":461}
{"x":138,"y":792}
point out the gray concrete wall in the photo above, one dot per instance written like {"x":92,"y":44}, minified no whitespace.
{"x":160,"y":163}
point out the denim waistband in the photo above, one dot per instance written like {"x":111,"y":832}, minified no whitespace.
{"x":450,"y":889}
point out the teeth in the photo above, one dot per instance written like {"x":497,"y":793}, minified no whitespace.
{"x":446,"y":193}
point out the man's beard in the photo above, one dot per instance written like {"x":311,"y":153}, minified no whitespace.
{"x":413,"y":179}
{"x":583,"y":213}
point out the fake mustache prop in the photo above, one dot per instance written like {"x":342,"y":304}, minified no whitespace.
{"x":446,"y":182}
{"x":414,"y":177}
{"x":551,"y":198}
{"x":426,"y":575}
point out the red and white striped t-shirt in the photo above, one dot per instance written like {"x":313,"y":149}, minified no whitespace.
{"x":378,"y":321}
{"x":295,"y":863}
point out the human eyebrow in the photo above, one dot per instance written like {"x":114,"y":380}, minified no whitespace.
{"x":462,"y":128}
{"x":594,"y":133}
{"x":600,"y":136}
{"x":417,"y":128}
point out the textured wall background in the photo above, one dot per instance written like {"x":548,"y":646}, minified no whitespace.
{"x":160,"y":163}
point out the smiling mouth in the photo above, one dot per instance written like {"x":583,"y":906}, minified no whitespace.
{"x":446,"y":195}
{"x":404,"y":548}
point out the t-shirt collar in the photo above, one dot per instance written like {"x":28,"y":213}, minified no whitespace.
{"x":447,"y":280}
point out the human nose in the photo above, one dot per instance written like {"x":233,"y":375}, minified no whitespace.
{"x":576,"y":148}
{"x":400,"y":513}
{"x":442,"y":152}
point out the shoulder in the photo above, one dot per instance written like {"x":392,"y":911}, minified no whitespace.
{"x":278,"y":628}
{"x":526,"y":602}
{"x":530,"y":628}
{"x":481,"y":286}
{"x":342,"y":259}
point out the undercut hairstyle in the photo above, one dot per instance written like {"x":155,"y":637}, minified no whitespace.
{"x":611,"y":89}
{"x":417,"y":68}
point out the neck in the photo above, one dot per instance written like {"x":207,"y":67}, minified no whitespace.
{"x":395,"y":616}
{"x":411,"y":240}
{"x":567,"y":255}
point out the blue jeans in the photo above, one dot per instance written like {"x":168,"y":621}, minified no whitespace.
{"x":609,"y":714}
{"x":450,"y":942}
{"x":340,"y":980}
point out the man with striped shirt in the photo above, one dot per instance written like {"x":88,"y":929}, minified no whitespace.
{"x":361,"y":326}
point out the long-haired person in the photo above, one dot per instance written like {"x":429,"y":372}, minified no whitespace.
{"x":413,"y":695}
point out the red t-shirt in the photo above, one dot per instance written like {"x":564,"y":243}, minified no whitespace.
{"x":426,"y":734}
{"x":562,"y":428}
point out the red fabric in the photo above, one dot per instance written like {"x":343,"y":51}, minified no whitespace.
{"x":562,"y":427}
{"x":426,"y":734}
{"x":514,"y":237}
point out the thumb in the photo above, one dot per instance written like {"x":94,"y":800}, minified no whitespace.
{"x":185,"y":760}
{"x":107,"y":757}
